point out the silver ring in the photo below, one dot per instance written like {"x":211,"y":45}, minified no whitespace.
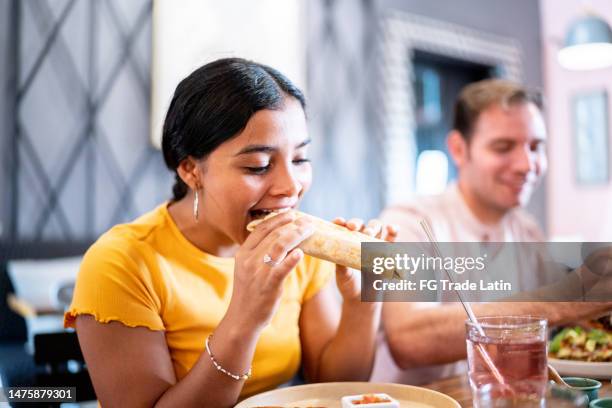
{"x":267,"y":259}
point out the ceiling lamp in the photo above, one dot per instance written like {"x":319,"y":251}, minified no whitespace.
{"x":588,"y":45}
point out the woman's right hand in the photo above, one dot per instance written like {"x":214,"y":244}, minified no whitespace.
{"x":257,"y":284}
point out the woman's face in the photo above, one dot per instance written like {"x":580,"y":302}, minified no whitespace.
{"x":265,"y":167}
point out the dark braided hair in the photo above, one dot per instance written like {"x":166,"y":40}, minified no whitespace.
{"x":214,"y":103}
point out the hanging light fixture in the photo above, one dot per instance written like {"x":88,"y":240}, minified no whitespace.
{"x":588,"y":44}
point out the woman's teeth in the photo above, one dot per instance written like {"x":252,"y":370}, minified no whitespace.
{"x":260,"y":213}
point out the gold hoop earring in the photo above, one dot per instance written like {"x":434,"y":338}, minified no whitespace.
{"x":196,"y":205}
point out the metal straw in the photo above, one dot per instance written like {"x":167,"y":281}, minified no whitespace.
{"x":466,"y":305}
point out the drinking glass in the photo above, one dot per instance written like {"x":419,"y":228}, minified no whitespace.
{"x":509,"y":350}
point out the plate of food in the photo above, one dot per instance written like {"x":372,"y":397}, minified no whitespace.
{"x":582,"y":351}
{"x":349,"y":394}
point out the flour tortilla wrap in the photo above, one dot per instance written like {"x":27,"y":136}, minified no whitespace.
{"x":330,"y":241}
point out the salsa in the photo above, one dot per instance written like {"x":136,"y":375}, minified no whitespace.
{"x":370,"y":399}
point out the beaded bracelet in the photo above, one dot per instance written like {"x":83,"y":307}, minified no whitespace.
{"x":236,"y":377}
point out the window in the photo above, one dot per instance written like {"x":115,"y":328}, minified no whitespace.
{"x":437,"y":82}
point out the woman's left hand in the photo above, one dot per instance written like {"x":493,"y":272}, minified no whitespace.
{"x":347,"y":279}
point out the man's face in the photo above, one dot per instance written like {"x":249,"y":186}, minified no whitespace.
{"x":505,"y":157}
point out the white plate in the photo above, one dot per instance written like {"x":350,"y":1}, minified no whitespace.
{"x":329,"y":395}
{"x":582,"y":368}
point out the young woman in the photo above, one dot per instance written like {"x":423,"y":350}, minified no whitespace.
{"x":184,"y":307}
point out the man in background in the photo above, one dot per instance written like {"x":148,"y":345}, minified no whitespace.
{"x":498,"y":145}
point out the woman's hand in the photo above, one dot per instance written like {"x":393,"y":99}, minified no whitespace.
{"x":347,"y":279}
{"x":263,"y":261}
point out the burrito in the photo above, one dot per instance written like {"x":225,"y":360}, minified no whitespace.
{"x":330,"y":241}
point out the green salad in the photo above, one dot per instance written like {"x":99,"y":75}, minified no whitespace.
{"x":576,"y":343}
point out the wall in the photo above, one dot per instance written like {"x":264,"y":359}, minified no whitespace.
{"x":574,"y":211}
{"x":4,"y":111}
{"x":267,"y":31}
{"x":342,"y":87}
{"x":341,"y":91}
{"x":85,"y":160}
{"x":517,"y":19}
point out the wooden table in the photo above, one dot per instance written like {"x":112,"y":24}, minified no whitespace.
{"x":459,"y":389}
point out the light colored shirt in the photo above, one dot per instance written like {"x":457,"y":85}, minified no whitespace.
{"x":146,"y":273}
{"x":452,"y":221}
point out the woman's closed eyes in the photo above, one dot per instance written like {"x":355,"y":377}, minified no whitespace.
{"x":260,"y":170}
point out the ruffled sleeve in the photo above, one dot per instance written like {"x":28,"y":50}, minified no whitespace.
{"x":114,"y":284}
